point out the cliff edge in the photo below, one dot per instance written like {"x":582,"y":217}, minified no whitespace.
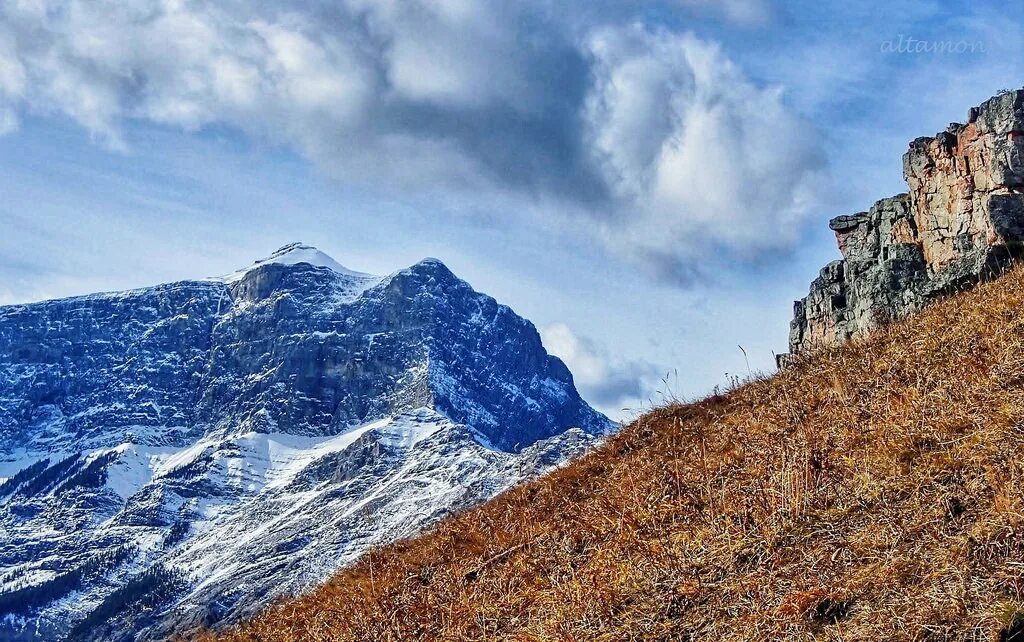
{"x":960,"y":222}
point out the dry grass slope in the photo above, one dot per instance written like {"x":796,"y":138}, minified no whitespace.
{"x":873,"y":492}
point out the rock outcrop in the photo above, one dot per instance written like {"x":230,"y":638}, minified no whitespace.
{"x":961,"y":221}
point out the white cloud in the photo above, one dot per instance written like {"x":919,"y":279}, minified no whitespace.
{"x":8,"y":121}
{"x":449,"y":52}
{"x":180,"y":63}
{"x":704,"y":160}
{"x":12,"y":72}
{"x":614,"y":386}
{"x":672,"y":152}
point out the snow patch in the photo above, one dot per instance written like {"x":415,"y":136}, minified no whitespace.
{"x":296,"y":254}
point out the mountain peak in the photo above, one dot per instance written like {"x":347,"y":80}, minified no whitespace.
{"x":285,"y":398}
{"x":296,"y":253}
{"x":430,"y":260}
{"x":428,"y":266}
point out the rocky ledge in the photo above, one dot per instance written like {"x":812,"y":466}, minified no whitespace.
{"x":962,"y":221}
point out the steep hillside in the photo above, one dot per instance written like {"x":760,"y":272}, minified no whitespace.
{"x":874,"y":491}
{"x":179,"y":455}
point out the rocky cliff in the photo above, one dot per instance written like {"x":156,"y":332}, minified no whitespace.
{"x":182,"y":454}
{"x":961,"y":221}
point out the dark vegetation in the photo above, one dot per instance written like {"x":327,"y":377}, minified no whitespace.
{"x":22,"y":601}
{"x":151,"y":590}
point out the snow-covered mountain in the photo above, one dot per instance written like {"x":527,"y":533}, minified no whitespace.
{"x":182,"y":454}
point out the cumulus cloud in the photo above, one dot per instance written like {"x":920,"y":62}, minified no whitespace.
{"x":612,"y":385}
{"x":703,"y":160}
{"x":675,"y":156}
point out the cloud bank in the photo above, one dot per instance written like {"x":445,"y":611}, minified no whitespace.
{"x":613,"y":385}
{"x":653,"y":139}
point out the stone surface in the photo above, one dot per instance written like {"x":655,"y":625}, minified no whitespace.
{"x":182,"y":454}
{"x":961,"y":221}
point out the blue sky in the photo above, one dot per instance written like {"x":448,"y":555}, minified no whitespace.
{"x":649,"y":182}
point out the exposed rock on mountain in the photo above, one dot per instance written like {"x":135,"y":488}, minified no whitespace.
{"x":961,"y":221}
{"x":180,"y":455}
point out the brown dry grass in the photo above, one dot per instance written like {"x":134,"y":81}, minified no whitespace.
{"x":874,"y":492}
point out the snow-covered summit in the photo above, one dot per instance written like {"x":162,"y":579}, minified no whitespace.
{"x":299,"y":253}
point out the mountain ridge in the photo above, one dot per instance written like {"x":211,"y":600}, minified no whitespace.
{"x":142,"y":431}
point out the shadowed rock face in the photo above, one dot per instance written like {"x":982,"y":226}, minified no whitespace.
{"x":299,"y":348}
{"x":182,"y":454}
{"x":961,"y":221}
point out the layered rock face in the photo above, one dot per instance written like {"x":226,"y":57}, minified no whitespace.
{"x":961,"y":221}
{"x":182,"y":454}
